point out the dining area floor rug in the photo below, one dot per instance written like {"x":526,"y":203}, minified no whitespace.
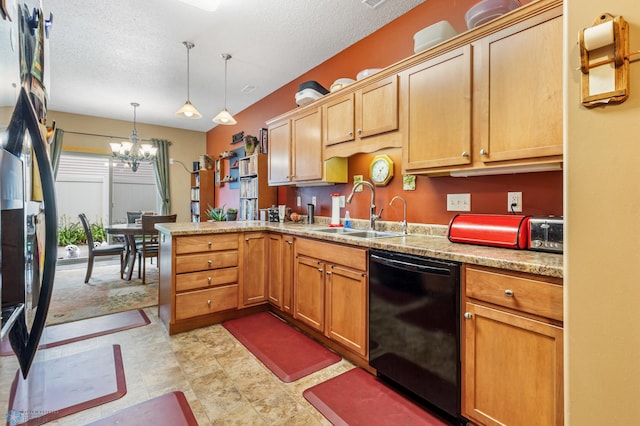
{"x":58,"y":387}
{"x":287,"y":352}
{"x":358,"y":398}
{"x":69,"y":332}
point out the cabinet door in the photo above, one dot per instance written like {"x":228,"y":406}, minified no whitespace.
{"x":275,"y":283}
{"x":254,"y":269}
{"x":513,"y":369}
{"x":520,"y":90}
{"x":377,"y":107}
{"x":339,"y":120}
{"x":309,"y":292}
{"x":347,"y":308}
{"x":307,"y":146}
{"x":437,"y":100}
{"x":287,"y":272}
{"x":279,"y":153}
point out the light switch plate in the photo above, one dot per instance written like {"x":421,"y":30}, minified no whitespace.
{"x":458,"y":202}
{"x":298,"y":201}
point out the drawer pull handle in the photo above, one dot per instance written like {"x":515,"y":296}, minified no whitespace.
{"x":508,"y":293}
{"x":209,"y":302}
{"x":468,"y":315}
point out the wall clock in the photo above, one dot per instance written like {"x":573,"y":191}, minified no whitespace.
{"x":381,"y":169}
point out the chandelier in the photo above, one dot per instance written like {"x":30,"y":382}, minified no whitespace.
{"x":132,"y":152}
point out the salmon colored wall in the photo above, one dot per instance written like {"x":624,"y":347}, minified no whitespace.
{"x":542,"y":192}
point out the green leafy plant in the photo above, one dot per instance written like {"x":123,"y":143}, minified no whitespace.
{"x":70,"y":233}
{"x":216,"y":214}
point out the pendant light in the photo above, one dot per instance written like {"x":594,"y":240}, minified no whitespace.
{"x":224,"y":117}
{"x":188,"y":110}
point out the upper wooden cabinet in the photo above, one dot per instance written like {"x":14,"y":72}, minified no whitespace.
{"x":437,"y":111}
{"x":495,"y":101}
{"x":295,"y":151}
{"x":351,"y":121}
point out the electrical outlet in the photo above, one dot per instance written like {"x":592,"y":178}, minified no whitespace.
{"x":313,"y":201}
{"x":298,"y":201}
{"x":458,"y":202}
{"x":341,"y":202}
{"x":514,"y":202}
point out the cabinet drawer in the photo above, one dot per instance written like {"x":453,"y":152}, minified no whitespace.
{"x":206,"y":261}
{"x":206,"y":243}
{"x":204,"y":302}
{"x":333,"y":253}
{"x":204,"y":279}
{"x":526,"y":294}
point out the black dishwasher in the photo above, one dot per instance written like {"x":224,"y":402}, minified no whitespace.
{"x":414,"y":326}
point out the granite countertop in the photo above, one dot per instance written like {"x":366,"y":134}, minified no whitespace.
{"x":422,"y":240}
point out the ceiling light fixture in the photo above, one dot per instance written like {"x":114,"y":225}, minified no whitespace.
{"x":224,"y":117}
{"x":188,"y":110}
{"x":131,"y":152}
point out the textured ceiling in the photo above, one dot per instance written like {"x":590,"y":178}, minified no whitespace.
{"x":106,"y":54}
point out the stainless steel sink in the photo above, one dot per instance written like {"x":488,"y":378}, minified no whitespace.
{"x":358,"y":233}
{"x":373,"y":234}
{"x":337,"y":230}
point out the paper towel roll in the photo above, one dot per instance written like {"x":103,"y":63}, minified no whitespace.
{"x":598,"y":36}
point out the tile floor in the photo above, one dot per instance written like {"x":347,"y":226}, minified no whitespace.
{"x":223,"y":382}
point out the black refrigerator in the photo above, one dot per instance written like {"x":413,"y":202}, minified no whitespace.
{"x":28,"y":220}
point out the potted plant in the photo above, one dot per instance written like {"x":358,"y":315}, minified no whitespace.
{"x":216,"y":214}
{"x":231,"y":214}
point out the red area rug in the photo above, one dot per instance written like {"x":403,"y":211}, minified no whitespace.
{"x":61,"y":334}
{"x":171,"y":409}
{"x":358,"y":398}
{"x":61,"y":386}
{"x":288,"y":353}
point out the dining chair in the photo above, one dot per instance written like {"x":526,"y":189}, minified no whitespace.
{"x":132,"y":216}
{"x":150,"y":238}
{"x":100,"y":250}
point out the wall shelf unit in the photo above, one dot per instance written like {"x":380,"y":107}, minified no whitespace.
{"x":255,"y":192}
{"x":202,"y":194}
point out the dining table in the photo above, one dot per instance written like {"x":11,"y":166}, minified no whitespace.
{"x":130,"y":231}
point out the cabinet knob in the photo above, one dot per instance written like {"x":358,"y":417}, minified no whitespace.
{"x":328,"y":272}
{"x":209,"y":243}
{"x":483,"y":151}
{"x":209,"y":262}
{"x":350,"y":133}
{"x":209,"y":302}
{"x":319,"y":269}
{"x":468,"y":315}
{"x":508,"y":293}
{"x":289,"y":242}
{"x":209,"y":280}
{"x":246,"y":239}
{"x":464,"y":154}
{"x":359,"y":131}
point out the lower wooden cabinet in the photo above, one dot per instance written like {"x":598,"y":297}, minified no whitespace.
{"x":254,"y":268}
{"x":513,"y":349}
{"x":330,"y":291}
{"x":199,"y":276}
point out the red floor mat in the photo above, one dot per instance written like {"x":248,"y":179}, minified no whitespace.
{"x":61,"y":334}
{"x":171,"y":409}
{"x":358,"y":398}
{"x":288,"y":353}
{"x":61,"y":386}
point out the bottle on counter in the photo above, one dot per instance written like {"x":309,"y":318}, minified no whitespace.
{"x":347,"y":220}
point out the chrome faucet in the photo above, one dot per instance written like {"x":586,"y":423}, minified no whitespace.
{"x":404,"y":220}
{"x":372,"y":212}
